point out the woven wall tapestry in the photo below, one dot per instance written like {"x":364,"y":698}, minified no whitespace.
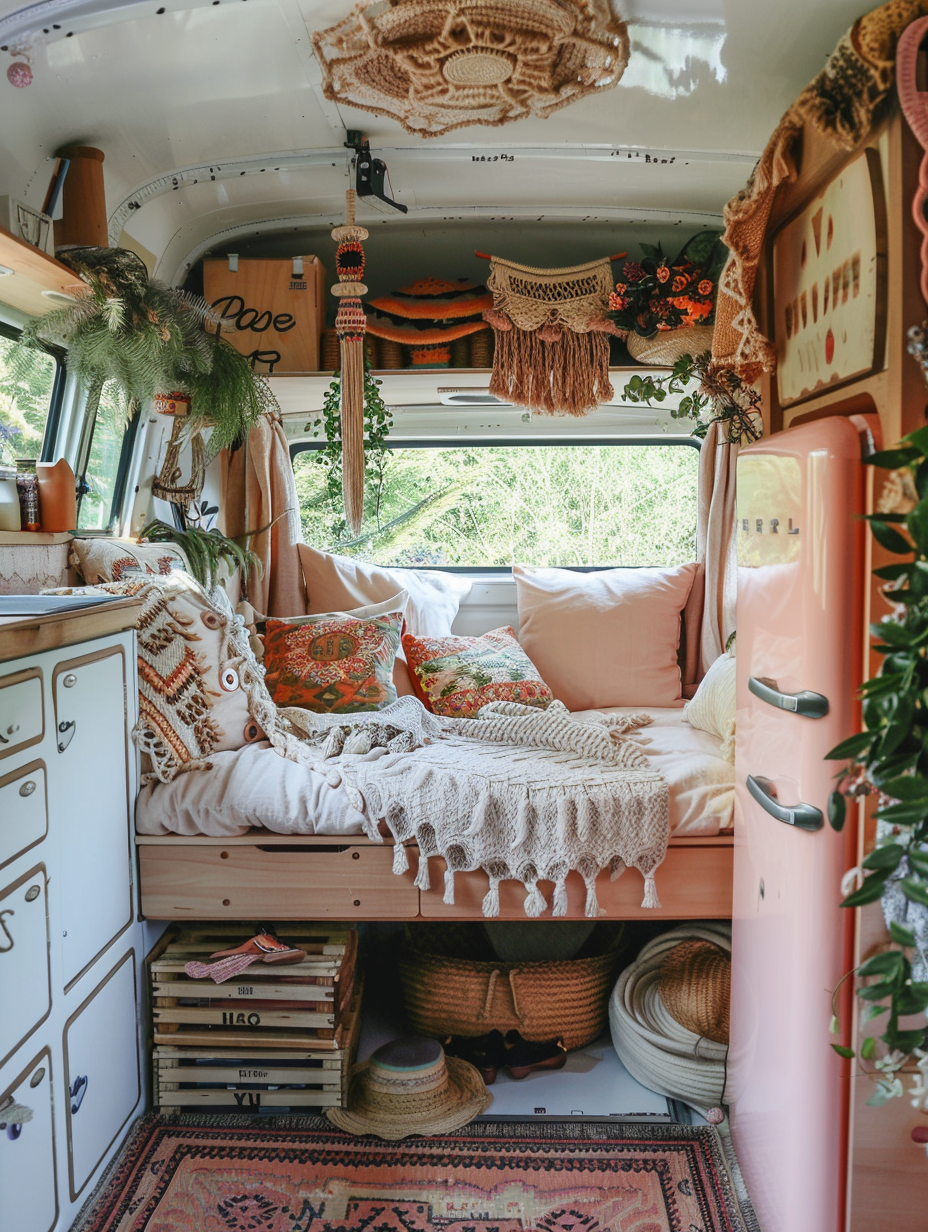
{"x":428,"y":315}
{"x":552,"y":335}
{"x":436,"y":65}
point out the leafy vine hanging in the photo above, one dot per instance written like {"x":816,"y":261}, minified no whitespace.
{"x":378,"y":420}
{"x":721,"y":397}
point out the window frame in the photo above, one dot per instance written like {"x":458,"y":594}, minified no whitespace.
{"x":693,"y":442}
{"x":56,"y":401}
{"x":88,"y":428}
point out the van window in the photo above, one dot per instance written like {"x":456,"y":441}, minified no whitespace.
{"x":565,"y":504}
{"x":29,"y":392}
{"x":104,"y":455}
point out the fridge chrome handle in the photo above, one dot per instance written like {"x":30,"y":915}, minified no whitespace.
{"x":803,"y":816}
{"x":809,"y":705}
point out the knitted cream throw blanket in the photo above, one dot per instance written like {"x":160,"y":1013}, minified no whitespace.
{"x":524,"y":794}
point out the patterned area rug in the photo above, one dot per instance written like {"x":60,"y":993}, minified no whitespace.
{"x":299,"y":1175}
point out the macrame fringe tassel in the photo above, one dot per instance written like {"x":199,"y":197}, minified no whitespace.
{"x":569,"y":376}
{"x":422,"y":881}
{"x":352,"y":430}
{"x":650,"y":893}
{"x":491,"y":899}
{"x":448,"y":900}
{"x":535,"y":903}
{"x":400,"y":859}
{"x":559,"y":903}
{"x":592,"y":910}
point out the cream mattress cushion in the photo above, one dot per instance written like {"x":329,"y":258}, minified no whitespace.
{"x":255,"y":787}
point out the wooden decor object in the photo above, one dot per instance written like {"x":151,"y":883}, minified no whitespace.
{"x":57,"y":496}
{"x":829,"y":281}
{"x":273,"y":316}
{"x":83,"y":200}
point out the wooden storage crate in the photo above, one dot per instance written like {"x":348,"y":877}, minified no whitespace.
{"x":275,"y":316}
{"x":244,"y":1078}
{"x":274,"y":1005}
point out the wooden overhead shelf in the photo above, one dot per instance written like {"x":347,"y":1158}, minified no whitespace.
{"x":34,"y":272}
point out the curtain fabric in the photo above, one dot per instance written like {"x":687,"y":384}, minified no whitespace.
{"x":716,"y":542}
{"x":258,"y":494}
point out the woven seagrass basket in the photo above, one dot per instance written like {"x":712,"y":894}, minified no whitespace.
{"x":668,"y":345}
{"x":447,"y":995}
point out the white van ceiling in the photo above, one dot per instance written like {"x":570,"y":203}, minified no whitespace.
{"x":217,"y":134}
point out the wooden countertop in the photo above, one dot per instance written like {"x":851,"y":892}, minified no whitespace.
{"x":27,"y":635}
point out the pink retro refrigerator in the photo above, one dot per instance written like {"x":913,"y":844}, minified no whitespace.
{"x":800,"y":656}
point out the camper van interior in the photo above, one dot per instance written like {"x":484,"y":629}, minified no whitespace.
{"x":463,"y":616}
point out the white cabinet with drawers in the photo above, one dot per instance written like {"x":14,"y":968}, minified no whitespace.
{"x":71,"y":946}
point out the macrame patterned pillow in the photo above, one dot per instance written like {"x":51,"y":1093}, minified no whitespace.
{"x":333,"y":664}
{"x":199,"y":683}
{"x":117,"y":560}
{"x":455,"y":676}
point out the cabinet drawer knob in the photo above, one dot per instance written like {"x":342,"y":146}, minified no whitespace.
{"x":33,"y":893}
{"x":27,"y":788}
{"x":66,"y":734}
{"x":70,"y":680}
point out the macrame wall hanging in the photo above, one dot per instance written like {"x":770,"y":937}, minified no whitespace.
{"x":169,"y":485}
{"x":350,"y":324}
{"x":552,"y":335}
{"x":437,"y":65}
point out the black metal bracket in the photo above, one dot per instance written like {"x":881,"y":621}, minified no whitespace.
{"x":370,"y":172}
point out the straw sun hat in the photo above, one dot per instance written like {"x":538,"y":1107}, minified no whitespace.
{"x":410,"y":1087}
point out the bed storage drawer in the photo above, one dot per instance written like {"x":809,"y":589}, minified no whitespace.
{"x":291,"y":881}
{"x":693,"y":883}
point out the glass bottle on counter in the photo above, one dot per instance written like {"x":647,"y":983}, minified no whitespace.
{"x":27,"y":488}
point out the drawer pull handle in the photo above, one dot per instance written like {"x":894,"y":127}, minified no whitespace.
{"x":11,"y":730}
{"x":69,"y":681}
{"x":27,"y":788}
{"x":6,"y":937}
{"x":77,"y":1092}
{"x":809,"y":705}
{"x":66,"y":732}
{"x":802,"y":816}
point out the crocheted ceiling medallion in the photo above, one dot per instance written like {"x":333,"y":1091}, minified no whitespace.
{"x":437,"y":65}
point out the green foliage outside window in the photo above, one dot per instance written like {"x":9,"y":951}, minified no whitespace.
{"x":546,"y":505}
{"x":27,"y":380}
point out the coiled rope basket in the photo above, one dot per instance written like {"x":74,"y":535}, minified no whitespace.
{"x":542,"y":1000}
{"x":652,"y":1045}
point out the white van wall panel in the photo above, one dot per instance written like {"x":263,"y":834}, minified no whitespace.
{"x":28,"y":1190}
{"x":21,"y":710}
{"x":490,"y":604}
{"x":25,"y":973}
{"x":23,"y":810}
{"x":89,"y":804}
{"x":102,"y":1070}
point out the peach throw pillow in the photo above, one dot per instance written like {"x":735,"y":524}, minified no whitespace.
{"x":608,"y":638}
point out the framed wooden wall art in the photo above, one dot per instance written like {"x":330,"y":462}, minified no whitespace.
{"x":829,"y":284}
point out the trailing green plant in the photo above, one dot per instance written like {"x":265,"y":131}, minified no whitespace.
{"x":147,"y":339}
{"x":207,"y":551}
{"x":378,"y":420}
{"x":720,"y":397}
{"x":890,"y":758}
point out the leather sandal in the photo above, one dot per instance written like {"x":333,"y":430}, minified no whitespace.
{"x":524,"y":1056}
{"x":266,"y":948}
{"x":487,"y":1053}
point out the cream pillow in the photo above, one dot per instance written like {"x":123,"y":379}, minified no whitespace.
{"x":339,"y":584}
{"x":713,"y":708}
{"x":116,"y":560}
{"x":608,"y":638}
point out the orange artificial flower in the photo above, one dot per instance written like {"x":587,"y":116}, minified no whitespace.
{"x":620,"y":288}
{"x":663,"y":273}
{"x":705,"y":287}
{"x":682,"y":302}
{"x":679,"y":283}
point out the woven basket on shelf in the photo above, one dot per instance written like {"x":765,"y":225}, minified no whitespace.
{"x":542,"y":1000}
{"x":391,"y":354}
{"x":666,"y":346}
{"x":695,"y":986}
{"x":481,"y":349}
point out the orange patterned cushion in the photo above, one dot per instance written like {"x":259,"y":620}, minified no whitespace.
{"x":333,"y":664}
{"x":455,"y":676}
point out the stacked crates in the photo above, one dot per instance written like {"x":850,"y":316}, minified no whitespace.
{"x":276,"y":1036}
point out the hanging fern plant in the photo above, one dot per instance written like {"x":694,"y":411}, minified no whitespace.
{"x":147,"y":339}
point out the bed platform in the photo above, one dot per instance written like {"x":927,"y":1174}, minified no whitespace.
{"x":290,"y":877}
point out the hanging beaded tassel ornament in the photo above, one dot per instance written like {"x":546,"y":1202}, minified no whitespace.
{"x":350,"y":324}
